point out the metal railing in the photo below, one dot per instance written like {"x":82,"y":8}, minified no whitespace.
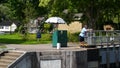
{"x":101,"y":37}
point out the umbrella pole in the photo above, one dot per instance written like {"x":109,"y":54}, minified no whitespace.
{"x":56,"y":26}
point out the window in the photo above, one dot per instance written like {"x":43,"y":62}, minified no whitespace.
{"x":6,"y":27}
{"x":1,"y":27}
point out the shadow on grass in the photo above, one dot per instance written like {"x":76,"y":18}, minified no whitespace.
{"x":11,"y":41}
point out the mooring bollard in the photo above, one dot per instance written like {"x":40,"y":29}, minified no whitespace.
{"x":58,"y":45}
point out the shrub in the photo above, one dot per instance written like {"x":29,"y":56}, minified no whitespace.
{"x":73,"y":37}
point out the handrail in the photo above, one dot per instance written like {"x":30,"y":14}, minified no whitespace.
{"x":98,"y":37}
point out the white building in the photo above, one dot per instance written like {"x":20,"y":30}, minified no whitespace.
{"x":7,"y":26}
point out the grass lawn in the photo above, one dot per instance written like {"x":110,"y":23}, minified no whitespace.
{"x":18,"y":39}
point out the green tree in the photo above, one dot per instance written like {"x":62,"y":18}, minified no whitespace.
{"x":56,"y":8}
{"x":23,"y":11}
{"x":93,"y":10}
{"x":4,"y":12}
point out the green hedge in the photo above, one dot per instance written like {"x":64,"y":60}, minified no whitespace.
{"x":73,"y":37}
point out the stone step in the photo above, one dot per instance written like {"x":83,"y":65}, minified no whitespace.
{"x":6,"y":60}
{"x":9,"y":57}
{"x":15,"y":52}
{"x":3,"y":67}
{"x":3,"y":64}
{"x":12,"y":54}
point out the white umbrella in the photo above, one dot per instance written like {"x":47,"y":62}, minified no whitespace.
{"x":55,"y":20}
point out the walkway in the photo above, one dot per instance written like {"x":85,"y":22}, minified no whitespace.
{"x":43,"y":47}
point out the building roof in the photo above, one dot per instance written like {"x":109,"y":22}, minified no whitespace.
{"x":5,"y":23}
{"x":77,"y":16}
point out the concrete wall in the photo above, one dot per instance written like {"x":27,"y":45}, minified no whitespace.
{"x":110,"y":57}
{"x":53,"y":59}
{"x":88,"y":58}
{"x":69,"y":59}
{"x":60,"y":59}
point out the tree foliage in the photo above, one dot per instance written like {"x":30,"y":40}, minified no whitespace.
{"x":24,"y":8}
{"x":4,"y":12}
{"x":93,"y":10}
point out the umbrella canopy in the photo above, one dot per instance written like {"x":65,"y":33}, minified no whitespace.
{"x":55,"y":20}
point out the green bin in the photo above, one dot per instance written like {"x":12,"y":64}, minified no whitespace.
{"x":59,"y":36}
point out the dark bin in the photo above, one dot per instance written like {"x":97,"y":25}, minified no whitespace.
{"x":38,"y":35}
{"x":59,"y":36}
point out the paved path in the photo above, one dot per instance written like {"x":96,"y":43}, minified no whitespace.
{"x":43,"y":47}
